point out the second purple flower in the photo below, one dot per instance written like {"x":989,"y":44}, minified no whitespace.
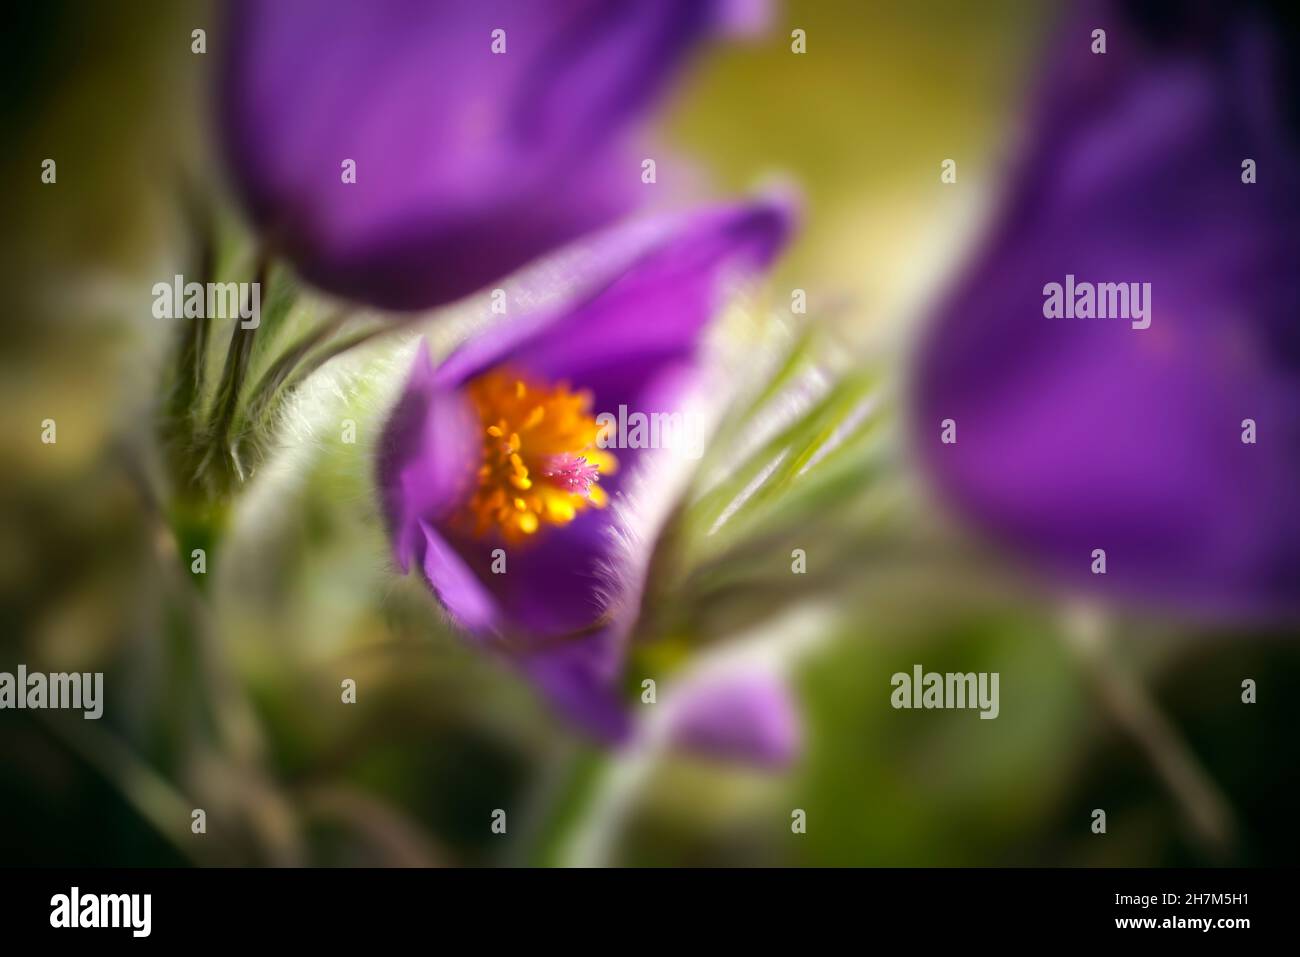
{"x":404,"y":153}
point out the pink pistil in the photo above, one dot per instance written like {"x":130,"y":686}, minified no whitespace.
{"x":573,"y":473}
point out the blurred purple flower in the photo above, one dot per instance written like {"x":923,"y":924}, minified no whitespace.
{"x":469,"y":163}
{"x":1078,"y":434}
{"x":742,"y":715}
{"x":492,"y":457}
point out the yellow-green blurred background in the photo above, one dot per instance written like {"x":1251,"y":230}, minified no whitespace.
{"x":234,"y":706}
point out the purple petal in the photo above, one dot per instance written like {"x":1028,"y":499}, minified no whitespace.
{"x":572,"y":677}
{"x":460,"y":592}
{"x":1077,"y":434}
{"x":646,"y":306}
{"x":468,"y":163}
{"x":577,"y":674}
{"x":426,"y":458}
{"x":747,"y":717}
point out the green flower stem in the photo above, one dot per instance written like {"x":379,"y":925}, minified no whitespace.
{"x":231,"y":732}
{"x":1204,"y":805}
{"x":611,"y":791}
{"x":553,"y":812}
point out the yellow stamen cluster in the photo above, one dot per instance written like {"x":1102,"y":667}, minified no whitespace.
{"x":534,"y":437}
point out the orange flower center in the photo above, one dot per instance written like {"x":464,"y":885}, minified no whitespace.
{"x":540,"y":463}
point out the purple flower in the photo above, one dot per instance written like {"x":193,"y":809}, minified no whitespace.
{"x":483,"y":133}
{"x":1077,"y":434}
{"x":496,"y":481}
{"x":740,"y":715}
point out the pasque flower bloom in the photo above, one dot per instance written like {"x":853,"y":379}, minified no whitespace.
{"x":1081,"y":434}
{"x":475,"y":150}
{"x":493,"y":456}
